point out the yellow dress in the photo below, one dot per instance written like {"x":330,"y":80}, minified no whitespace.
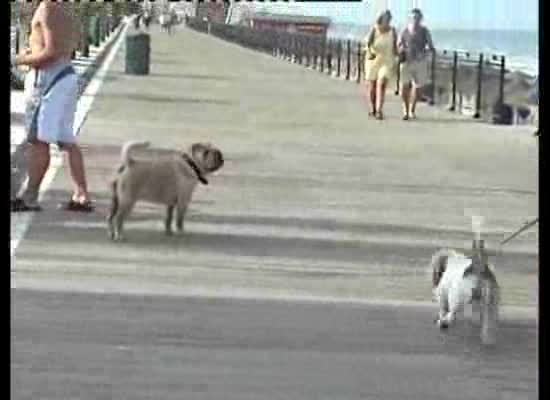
{"x":383,"y":65}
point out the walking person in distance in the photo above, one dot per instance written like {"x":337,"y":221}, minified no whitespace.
{"x":380,"y":61}
{"x":412,"y":44}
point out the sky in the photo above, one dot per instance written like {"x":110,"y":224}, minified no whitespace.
{"x":447,"y":14}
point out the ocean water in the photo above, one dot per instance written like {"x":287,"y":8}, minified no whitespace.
{"x":519,"y":47}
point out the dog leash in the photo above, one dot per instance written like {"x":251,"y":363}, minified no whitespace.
{"x":526,"y":226}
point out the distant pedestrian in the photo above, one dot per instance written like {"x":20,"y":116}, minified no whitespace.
{"x":166,"y":21}
{"x":146,"y":19}
{"x":52,"y":88}
{"x":380,"y":61}
{"x":412,"y":45}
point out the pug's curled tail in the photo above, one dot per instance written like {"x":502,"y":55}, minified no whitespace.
{"x":127,"y":149}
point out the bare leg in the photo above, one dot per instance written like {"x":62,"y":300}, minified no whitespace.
{"x":415,"y":94}
{"x":372,"y":96}
{"x":380,"y":96}
{"x":405,"y":95}
{"x":39,"y":161}
{"x":75,"y":162}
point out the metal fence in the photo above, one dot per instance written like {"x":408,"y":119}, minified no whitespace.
{"x":346,"y":59}
{"x":483,"y":69}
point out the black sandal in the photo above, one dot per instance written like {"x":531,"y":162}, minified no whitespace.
{"x":18,"y":205}
{"x":76,"y":206}
{"x":372,"y":113}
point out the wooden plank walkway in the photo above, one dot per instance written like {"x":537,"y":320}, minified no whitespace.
{"x":312,"y":187}
{"x":315,"y":201}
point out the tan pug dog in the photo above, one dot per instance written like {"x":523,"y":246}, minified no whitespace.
{"x":168,"y":180}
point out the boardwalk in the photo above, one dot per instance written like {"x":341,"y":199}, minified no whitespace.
{"x":315,"y":200}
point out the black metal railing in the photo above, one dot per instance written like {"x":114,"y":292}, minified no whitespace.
{"x":346,"y":59}
{"x":332,"y":57}
{"x":477,"y":66}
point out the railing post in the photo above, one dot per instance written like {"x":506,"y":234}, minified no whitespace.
{"x":311,"y":52}
{"x":359,"y":62}
{"x":291,"y":47}
{"x":299,"y":47}
{"x":339,"y":58}
{"x":348,"y":66}
{"x":453,"y":82}
{"x":501,"y":81}
{"x":315,"y":46}
{"x":294,"y":48}
{"x":329,"y":58}
{"x":302,"y":49}
{"x":290,"y":51}
{"x":307,"y":50}
{"x":433,"y":74}
{"x":477,"y":112}
{"x":323,"y":53}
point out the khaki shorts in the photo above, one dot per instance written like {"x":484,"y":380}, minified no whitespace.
{"x":415,"y":72}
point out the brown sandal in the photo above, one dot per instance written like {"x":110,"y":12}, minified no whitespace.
{"x":72,"y":205}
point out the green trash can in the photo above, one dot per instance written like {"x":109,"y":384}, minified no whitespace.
{"x":138,"y":51}
{"x":84,"y":44}
{"x":95,"y":33}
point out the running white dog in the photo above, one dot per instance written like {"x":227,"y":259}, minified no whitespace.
{"x":457,"y":283}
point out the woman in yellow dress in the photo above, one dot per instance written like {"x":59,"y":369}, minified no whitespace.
{"x":380,"y":63}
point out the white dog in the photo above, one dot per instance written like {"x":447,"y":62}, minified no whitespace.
{"x":457,"y":283}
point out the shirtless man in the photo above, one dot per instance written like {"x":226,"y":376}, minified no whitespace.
{"x":52,"y":91}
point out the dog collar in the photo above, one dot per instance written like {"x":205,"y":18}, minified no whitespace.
{"x":195,"y":168}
